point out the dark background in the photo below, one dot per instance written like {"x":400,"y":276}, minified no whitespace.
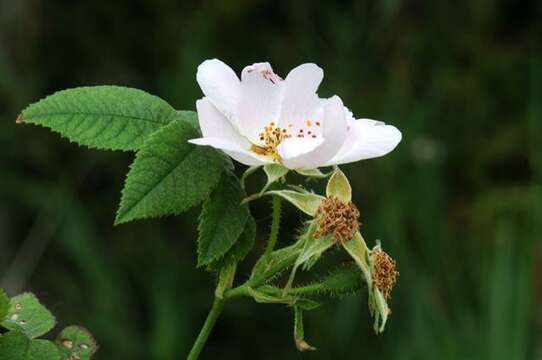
{"x":458,"y":204}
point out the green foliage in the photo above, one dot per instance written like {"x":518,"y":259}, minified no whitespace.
{"x":240,"y":249}
{"x":4,"y":305}
{"x":102,"y":117}
{"x":75,"y":342}
{"x":468,"y":132}
{"x":28,"y":319}
{"x":29,"y":316}
{"x":16,"y":346}
{"x":169,"y":175}
{"x":222,"y":220}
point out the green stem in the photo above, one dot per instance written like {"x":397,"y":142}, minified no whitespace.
{"x":216,"y":309}
{"x":275,"y":225}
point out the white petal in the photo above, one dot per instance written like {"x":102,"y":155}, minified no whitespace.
{"x":214,"y":124}
{"x":221,"y":85}
{"x":367,"y":139}
{"x":261,"y":94}
{"x":293,"y":147}
{"x":334,"y":135}
{"x":300,"y":99}
{"x":238,"y":153}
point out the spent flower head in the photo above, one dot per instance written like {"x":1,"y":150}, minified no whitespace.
{"x":384,"y":275}
{"x":337,"y":218}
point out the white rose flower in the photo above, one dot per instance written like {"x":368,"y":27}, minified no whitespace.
{"x":263,"y":119}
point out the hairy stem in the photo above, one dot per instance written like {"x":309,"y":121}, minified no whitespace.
{"x":275,"y":225}
{"x":216,"y":309}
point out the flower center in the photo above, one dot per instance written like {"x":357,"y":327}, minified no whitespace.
{"x":272,"y":135}
{"x":270,"y":138}
{"x":337,"y":218}
{"x":384,"y":274}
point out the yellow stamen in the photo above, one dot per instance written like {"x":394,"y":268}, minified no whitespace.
{"x":271,"y":137}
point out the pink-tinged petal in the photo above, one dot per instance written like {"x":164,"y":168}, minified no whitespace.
{"x":367,"y":139}
{"x":261,"y":94}
{"x":214,"y":124}
{"x":234,"y":150}
{"x":300,"y":99}
{"x":221,"y":85}
{"x":334,"y":135}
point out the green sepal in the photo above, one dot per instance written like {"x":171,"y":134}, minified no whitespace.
{"x":314,"y":173}
{"x":278,"y":261}
{"x":268,"y":294}
{"x":339,"y":187}
{"x":76,"y":342}
{"x":274,"y":173}
{"x":358,"y":250}
{"x":345,"y":280}
{"x":306,"y":202}
{"x":28,"y":316}
{"x":312,"y":250}
{"x":299,"y":332}
{"x":15,"y":345}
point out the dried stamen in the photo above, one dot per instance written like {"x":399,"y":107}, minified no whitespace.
{"x":337,"y":218}
{"x":384,"y":274}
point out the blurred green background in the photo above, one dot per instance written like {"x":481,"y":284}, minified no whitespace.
{"x":458,"y":204}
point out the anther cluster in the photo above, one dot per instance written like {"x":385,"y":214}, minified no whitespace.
{"x":337,"y":218}
{"x":384,"y":274}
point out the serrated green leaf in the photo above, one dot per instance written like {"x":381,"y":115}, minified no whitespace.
{"x":169,"y":175}
{"x":16,"y":346}
{"x":190,"y":117}
{"x":240,"y":249}
{"x":306,"y":202}
{"x":222,"y":220}
{"x":102,"y":117}
{"x":4,"y":305}
{"x":27,"y":315}
{"x":339,"y":187}
{"x":76,"y":342}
